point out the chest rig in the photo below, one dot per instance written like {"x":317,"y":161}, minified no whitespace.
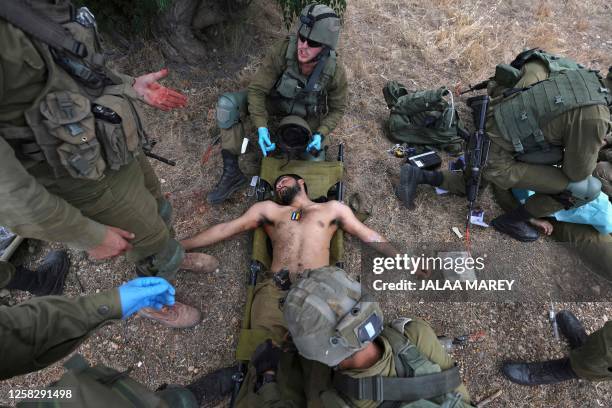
{"x":419,"y":381}
{"x":81,"y":122}
{"x":296,"y":94}
{"x":523,"y":112}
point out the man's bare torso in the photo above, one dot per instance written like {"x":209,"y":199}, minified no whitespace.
{"x":304,"y":241}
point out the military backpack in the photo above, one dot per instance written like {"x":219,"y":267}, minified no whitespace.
{"x":422,"y":117}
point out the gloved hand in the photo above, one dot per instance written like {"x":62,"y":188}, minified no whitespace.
{"x":156,"y":95}
{"x":264,"y":141}
{"x":315,"y":143}
{"x":266,"y":357}
{"x":145,"y":292}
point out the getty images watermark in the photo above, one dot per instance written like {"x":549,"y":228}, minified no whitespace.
{"x":490,"y":272}
{"x":456,"y":263}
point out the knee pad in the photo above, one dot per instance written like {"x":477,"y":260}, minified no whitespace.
{"x":584,"y":191}
{"x":229,"y":107}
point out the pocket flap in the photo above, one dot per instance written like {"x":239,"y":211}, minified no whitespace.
{"x":65,"y":107}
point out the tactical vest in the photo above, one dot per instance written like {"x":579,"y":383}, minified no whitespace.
{"x":103,"y":387}
{"x":290,"y":92}
{"x":416,"y":376}
{"x":423,"y":117}
{"x":522,"y":113}
{"x":61,"y":128}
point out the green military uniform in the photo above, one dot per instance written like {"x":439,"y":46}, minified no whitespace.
{"x":41,"y":331}
{"x":596,"y":246}
{"x":301,"y":382}
{"x":603,"y":170}
{"x":579,"y":131}
{"x":64,"y":175}
{"x":305,"y":381}
{"x":593,"y":360}
{"x":419,"y":333}
{"x":266,"y":95}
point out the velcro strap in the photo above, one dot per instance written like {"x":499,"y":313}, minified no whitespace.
{"x":39,"y":26}
{"x":378,"y":388}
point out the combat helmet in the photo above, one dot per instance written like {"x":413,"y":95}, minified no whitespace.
{"x":293,"y":135}
{"x":329,"y":317}
{"x":320,"y":23}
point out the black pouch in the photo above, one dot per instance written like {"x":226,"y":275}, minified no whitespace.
{"x":429,"y":160}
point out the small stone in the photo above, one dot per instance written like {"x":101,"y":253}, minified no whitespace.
{"x":139,"y":364}
{"x":195,"y":371}
{"x":161,"y":180}
{"x":190,"y":369}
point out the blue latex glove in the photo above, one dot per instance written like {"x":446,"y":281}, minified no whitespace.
{"x":145,"y":292}
{"x":315,"y":143}
{"x":264,"y":141}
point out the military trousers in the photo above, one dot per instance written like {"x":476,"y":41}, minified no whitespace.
{"x":130,"y":198}
{"x":593,"y":360}
{"x":266,"y":313}
{"x":593,"y":246}
{"x":580,"y":132}
{"x":232,"y":138}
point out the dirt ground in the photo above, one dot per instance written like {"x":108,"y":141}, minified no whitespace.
{"x":423,"y":44}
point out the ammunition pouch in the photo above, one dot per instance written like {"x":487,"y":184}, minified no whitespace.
{"x":69,"y":121}
{"x":119,"y":140}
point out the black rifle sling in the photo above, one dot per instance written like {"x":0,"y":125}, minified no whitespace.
{"x":40,"y":27}
{"x":378,"y":388}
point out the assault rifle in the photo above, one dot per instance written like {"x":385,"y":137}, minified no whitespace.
{"x":476,"y":154}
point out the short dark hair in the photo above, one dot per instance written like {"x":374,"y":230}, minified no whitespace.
{"x":296,"y":177}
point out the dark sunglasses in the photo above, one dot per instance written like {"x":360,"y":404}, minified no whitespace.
{"x":311,"y":43}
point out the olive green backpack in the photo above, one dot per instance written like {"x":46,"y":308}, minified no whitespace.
{"x":423,"y":117}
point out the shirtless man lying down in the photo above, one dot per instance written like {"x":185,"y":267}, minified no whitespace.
{"x":300,"y":231}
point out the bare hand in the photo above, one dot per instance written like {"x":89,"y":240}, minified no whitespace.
{"x":115,"y":243}
{"x":157,"y":95}
{"x":544,"y":226}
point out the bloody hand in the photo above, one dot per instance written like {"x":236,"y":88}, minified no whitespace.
{"x":157,"y":95}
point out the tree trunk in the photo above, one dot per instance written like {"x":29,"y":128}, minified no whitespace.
{"x":175,"y":33}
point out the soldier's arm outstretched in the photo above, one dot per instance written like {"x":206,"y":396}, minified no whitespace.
{"x":253,"y":218}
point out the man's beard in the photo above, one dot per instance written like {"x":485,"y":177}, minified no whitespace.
{"x":287,"y":194}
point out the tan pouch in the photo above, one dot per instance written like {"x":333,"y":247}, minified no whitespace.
{"x":68,"y":118}
{"x":119,"y":140}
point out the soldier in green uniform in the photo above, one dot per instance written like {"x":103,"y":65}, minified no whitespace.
{"x":590,"y":357}
{"x":547,"y":121}
{"x":72,"y":169}
{"x":334,"y":324}
{"x":29,"y":343}
{"x":300,"y":76}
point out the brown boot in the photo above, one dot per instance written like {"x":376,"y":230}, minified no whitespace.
{"x":178,"y":316}
{"x":197,"y":262}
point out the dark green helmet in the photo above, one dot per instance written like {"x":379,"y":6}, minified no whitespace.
{"x":328,"y":316}
{"x":320,"y":23}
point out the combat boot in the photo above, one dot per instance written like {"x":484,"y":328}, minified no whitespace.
{"x":545,"y":372}
{"x":571,"y":328}
{"x":177,"y":316}
{"x":410,"y":178}
{"x":48,"y":279}
{"x":213,"y":386}
{"x":231,"y":180}
{"x":515,"y":223}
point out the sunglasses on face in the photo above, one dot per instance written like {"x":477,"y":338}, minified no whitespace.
{"x":311,"y":43}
